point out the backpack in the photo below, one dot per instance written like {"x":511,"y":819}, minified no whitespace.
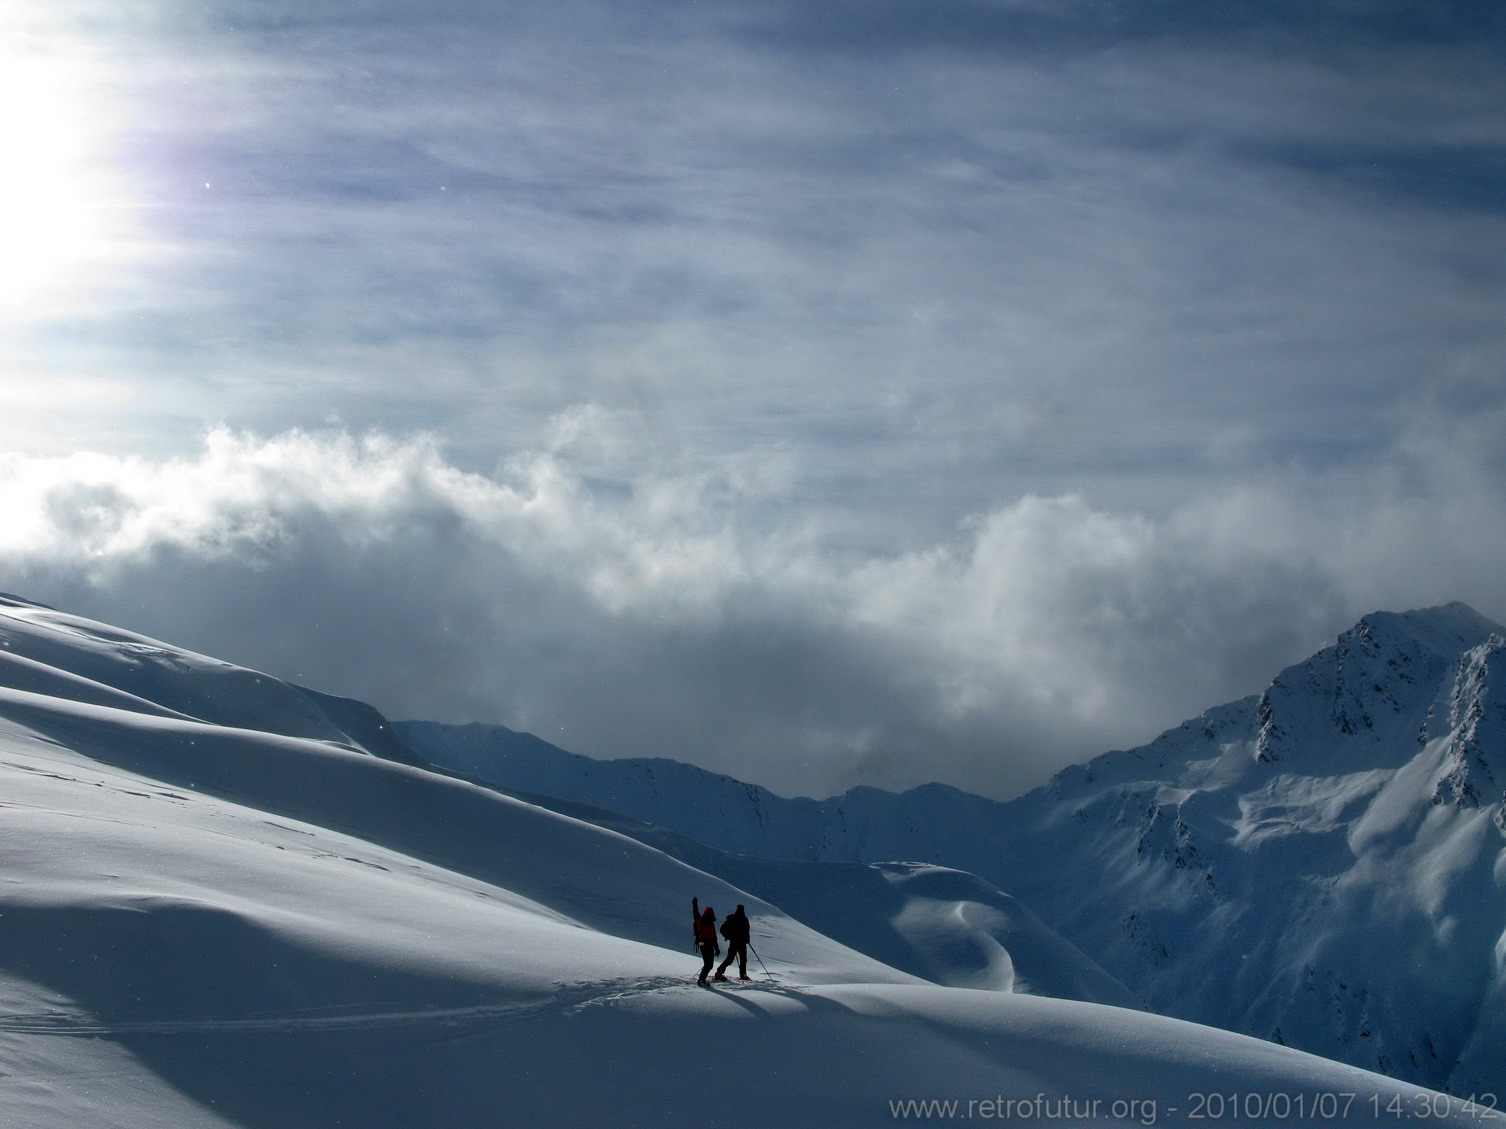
{"x":705,"y":930}
{"x":735,"y":928}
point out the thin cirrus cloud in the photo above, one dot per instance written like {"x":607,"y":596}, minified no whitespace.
{"x":1181,"y":225}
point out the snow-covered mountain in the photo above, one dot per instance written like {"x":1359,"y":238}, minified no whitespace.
{"x":226,"y":902}
{"x":1321,"y":865}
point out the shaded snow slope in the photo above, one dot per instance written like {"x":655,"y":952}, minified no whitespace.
{"x":207,"y":925}
{"x":1321,"y":864}
{"x":943,"y":925}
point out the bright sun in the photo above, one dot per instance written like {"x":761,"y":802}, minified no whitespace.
{"x":51,"y":197}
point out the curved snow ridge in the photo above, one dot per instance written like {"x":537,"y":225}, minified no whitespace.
{"x":969,"y":934}
{"x":18,"y":672}
{"x":77,"y":660}
{"x":959,"y":942}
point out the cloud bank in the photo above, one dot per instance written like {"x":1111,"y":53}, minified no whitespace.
{"x":658,"y":619}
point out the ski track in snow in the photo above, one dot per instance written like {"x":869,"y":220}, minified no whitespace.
{"x":567,"y":999}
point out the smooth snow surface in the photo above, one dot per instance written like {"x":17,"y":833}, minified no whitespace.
{"x":211,"y":921}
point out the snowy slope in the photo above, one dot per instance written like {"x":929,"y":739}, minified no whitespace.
{"x":1320,"y":865}
{"x":940,"y":924}
{"x":208,"y":924}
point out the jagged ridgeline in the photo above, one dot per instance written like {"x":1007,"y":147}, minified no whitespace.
{"x":1319,"y":865}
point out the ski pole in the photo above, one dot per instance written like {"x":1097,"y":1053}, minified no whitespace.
{"x":759,"y":959}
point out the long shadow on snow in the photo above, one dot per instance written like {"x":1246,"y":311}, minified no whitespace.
{"x":428,"y":816}
{"x":277,"y":1035}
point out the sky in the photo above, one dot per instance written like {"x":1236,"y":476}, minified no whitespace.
{"x":823,"y":393}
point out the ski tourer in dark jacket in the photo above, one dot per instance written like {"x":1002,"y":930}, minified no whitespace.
{"x":737,"y":932}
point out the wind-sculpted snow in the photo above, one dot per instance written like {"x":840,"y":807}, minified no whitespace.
{"x":1317,"y":865}
{"x":205,"y":924}
{"x":55,"y":654}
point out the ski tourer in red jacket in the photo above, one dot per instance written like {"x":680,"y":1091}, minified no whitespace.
{"x":704,"y":924}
